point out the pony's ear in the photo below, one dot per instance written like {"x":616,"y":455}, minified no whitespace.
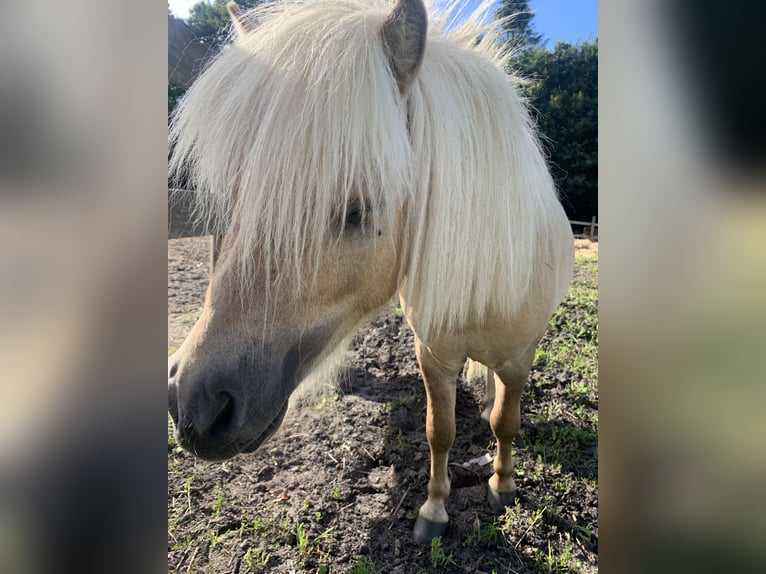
{"x":241,"y":24}
{"x":404,"y":39}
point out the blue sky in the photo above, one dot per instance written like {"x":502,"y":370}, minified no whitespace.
{"x":566,"y":20}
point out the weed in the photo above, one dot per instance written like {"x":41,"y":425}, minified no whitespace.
{"x":325,"y":536}
{"x":562,"y":486}
{"x":584,"y":534}
{"x":172,"y":444}
{"x":542,"y":357}
{"x":335,"y":494}
{"x":364,"y":565}
{"x":257,"y":525}
{"x":400,"y":441}
{"x":325,"y":401}
{"x":218,"y":502}
{"x":301,"y":536}
{"x":438,"y":558}
{"x":215,"y":539}
{"x":187,"y":490}
{"x":552,"y":561}
{"x":490,"y":533}
{"x":318,"y":516}
{"x":192,"y":317}
{"x":323,"y":569}
{"x":182,"y":545}
{"x":256,"y":556}
{"x":402,"y":400}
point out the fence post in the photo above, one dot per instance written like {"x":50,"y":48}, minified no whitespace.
{"x":592,"y":231}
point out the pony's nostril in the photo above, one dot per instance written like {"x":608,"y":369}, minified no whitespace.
{"x":224,"y":418}
{"x":173,"y":370}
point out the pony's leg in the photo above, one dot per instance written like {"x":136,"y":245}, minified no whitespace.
{"x":505,"y":422}
{"x":489,"y":394}
{"x":440,"y":380}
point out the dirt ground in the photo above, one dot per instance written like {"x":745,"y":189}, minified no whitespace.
{"x":338,"y":488}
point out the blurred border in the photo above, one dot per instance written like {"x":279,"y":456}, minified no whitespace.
{"x":682,"y":273}
{"x":83,"y":240}
{"x":83,"y":177}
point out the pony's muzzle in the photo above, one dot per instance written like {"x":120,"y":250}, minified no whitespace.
{"x":207,"y":423}
{"x":215,"y":416}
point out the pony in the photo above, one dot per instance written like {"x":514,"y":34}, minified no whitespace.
{"x":354,"y":150}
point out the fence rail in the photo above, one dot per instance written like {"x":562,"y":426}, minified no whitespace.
{"x":588,"y":229}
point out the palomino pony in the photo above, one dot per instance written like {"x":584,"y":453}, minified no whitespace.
{"x":354,"y":152}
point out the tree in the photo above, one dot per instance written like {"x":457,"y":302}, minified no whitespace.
{"x":210,"y":21}
{"x":518,"y":28}
{"x":563,"y":93}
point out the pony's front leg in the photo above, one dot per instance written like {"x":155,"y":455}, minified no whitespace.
{"x":505,"y":421}
{"x":440,"y":380}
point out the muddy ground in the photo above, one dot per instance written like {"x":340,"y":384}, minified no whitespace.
{"x":337,"y":490}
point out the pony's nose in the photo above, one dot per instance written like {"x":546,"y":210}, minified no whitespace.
{"x":206,"y":424}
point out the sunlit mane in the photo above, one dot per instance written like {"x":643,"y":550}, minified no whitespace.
{"x":302,"y":118}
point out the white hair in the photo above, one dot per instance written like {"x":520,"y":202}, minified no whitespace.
{"x":302,"y":118}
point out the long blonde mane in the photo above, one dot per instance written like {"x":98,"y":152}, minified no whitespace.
{"x":302,"y":118}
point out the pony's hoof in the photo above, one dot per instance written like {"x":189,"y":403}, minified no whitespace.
{"x":499,"y":500}
{"x":425,"y":530}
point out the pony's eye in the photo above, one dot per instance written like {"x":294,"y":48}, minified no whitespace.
{"x":354,"y":217}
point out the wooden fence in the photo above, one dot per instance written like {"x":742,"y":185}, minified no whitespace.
{"x":588,"y":229}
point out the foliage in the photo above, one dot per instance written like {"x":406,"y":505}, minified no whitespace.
{"x":563,"y":92}
{"x":518,"y":30}
{"x":210,"y":22}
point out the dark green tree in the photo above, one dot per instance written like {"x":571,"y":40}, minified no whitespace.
{"x":563,"y":93}
{"x":518,"y":30}
{"x":210,"y":21}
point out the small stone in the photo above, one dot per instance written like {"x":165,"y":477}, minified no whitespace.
{"x":397,"y":547}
